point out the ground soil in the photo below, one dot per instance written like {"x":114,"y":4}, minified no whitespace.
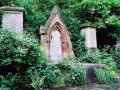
{"x":93,"y":86}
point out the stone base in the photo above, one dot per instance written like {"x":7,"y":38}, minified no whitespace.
{"x":89,"y":69}
{"x":89,"y":76}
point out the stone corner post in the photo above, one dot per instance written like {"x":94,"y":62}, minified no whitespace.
{"x":12,"y":18}
{"x":90,"y":36}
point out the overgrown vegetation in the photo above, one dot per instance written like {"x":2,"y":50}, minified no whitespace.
{"x":105,"y":76}
{"x":20,"y":56}
{"x":17,"y":54}
{"x":59,"y":74}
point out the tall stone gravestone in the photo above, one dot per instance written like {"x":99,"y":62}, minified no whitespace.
{"x":90,"y":36}
{"x":12,"y":18}
{"x":55,"y":40}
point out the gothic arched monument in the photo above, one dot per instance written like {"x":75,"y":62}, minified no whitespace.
{"x":55,"y":38}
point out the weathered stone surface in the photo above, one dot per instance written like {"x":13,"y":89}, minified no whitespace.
{"x":12,"y":18}
{"x":55,"y":43}
{"x":89,"y":69}
{"x":90,"y":36}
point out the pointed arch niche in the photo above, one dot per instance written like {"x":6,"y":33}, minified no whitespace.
{"x":55,"y":40}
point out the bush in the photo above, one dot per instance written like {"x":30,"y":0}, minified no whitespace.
{"x":59,"y":74}
{"x":75,"y":77}
{"x":117,"y":55}
{"x":46,"y":71}
{"x":8,"y":82}
{"x":105,"y":75}
{"x":101,"y":57}
{"x":19,"y":49}
{"x":17,"y":54}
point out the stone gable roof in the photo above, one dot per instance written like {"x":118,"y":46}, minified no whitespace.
{"x":55,"y":12}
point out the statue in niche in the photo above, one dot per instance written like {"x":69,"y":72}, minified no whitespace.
{"x":55,"y":45}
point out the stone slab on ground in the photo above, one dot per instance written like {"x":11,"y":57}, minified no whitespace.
{"x":89,"y":69}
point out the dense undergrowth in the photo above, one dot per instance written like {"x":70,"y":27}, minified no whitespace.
{"x":22,"y":63}
{"x":24,"y":66}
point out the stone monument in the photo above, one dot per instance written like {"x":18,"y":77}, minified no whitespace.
{"x":55,"y":40}
{"x":90,"y":36}
{"x":12,"y":18}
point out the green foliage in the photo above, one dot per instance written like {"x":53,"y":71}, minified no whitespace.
{"x":8,"y":82}
{"x":64,"y":65}
{"x":100,"y":74}
{"x":18,"y":52}
{"x":102,"y":13}
{"x":4,"y":88}
{"x":105,"y":75}
{"x":1,"y":13}
{"x":100,"y":56}
{"x":60,"y":79}
{"x":36,"y":14}
{"x":20,"y":49}
{"x":47,"y":71}
{"x":75,"y":77}
{"x":79,"y":47}
{"x":59,"y":74}
{"x":9,"y":2}
{"x":37,"y":82}
{"x":91,"y":57}
{"x":117,"y":54}
{"x":50,"y":78}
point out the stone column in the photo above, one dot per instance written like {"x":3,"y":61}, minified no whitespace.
{"x":90,"y":36}
{"x":12,"y":18}
{"x":42,"y":35}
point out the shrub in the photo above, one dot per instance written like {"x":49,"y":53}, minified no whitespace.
{"x":37,"y":82}
{"x":100,"y":74}
{"x":46,"y":71}
{"x":75,"y":77}
{"x":79,"y":47}
{"x":117,"y":54}
{"x":99,"y":56}
{"x":59,"y":74}
{"x":105,"y":75}
{"x":19,"y":49}
{"x":8,"y":82}
{"x":17,"y":54}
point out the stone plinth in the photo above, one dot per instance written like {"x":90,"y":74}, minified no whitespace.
{"x":89,"y":69}
{"x":90,"y":36}
{"x":12,"y":18}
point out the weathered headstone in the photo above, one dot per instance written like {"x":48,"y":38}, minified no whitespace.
{"x":12,"y":18}
{"x":90,"y":36}
{"x":55,"y":40}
